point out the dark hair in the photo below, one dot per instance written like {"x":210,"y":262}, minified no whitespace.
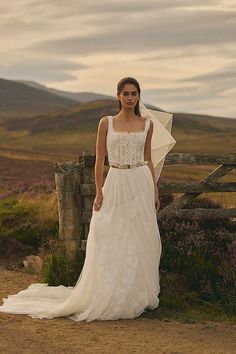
{"x":120,"y":86}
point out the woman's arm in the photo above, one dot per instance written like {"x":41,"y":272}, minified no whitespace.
{"x":147,"y":154}
{"x":147,"y":157}
{"x":100,"y":158}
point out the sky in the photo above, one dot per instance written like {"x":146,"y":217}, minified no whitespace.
{"x":181,"y":52}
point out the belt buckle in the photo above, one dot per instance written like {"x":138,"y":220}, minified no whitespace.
{"x":128,"y":165}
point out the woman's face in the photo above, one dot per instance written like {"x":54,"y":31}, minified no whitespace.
{"x":129,"y":96}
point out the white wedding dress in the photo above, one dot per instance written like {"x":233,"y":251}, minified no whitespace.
{"x":120,"y":276}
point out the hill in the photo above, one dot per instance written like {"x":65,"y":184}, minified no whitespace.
{"x":80,"y":117}
{"x":19,"y":100}
{"x":40,"y":124}
{"x":191,"y":123}
{"x":75,"y":96}
{"x":85,"y":117}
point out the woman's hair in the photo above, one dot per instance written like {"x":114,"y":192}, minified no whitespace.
{"x":120,"y":86}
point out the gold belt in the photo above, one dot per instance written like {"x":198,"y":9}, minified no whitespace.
{"x":118,"y":165}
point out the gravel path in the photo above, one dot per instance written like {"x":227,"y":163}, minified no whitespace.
{"x":23,"y":334}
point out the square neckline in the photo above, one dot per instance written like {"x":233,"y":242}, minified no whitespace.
{"x":138,"y":132}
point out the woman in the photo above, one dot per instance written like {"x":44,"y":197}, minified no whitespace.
{"x":127,"y":120}
{"x":120,"y":276}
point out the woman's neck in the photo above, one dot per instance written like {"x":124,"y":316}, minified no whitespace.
{"x":127,"y":114}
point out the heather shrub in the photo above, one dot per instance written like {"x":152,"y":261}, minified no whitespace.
{"x":176,"y":293}
{"x":200,"y":251}
{"x":196,"y":262}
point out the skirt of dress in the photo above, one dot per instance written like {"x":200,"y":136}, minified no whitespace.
{"x":120,"y":276}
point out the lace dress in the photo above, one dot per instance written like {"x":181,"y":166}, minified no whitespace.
{"x":120,"y":276}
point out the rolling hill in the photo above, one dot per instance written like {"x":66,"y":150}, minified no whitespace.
{"x":35,"y":122}
{"x":81,"y":117}
{"x":76,"y":96}
{"x":85,"y":117}
{"x":19,"y":100}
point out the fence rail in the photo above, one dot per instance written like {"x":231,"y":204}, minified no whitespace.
{"x":75,"y":186}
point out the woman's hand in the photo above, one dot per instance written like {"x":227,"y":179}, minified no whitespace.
{"x":157,"y":201}
{"x":98,"y":201}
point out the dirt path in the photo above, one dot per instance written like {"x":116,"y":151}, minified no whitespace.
{"x":23,"y":334}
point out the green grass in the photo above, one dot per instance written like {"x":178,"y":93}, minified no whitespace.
{"x":74,"y":141}
{"x":58,"y":269}
{"x":190,"y":314}
{"x":29,"y":221}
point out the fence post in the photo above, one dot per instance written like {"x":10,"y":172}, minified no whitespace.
{"x":68,"y":179}
{"x":88,"y":177}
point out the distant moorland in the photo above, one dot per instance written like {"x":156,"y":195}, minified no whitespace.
{"x":43,"y":124}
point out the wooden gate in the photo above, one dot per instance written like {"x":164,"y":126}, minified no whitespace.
{"x":75,"y":187}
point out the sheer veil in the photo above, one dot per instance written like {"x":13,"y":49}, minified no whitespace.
{"x":162,"y":140}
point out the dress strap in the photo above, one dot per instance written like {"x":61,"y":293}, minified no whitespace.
{"x":109,"y":123}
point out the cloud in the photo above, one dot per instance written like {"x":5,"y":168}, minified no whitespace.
{"x":182,"y":51}
{"x":41,"y":69}
{"x":216,"y":82}
{"x":157,"y":31}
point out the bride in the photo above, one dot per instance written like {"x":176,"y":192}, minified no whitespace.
{"x":120,"y":275}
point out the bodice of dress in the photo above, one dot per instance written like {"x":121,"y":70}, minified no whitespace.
{"x":124,"y":147}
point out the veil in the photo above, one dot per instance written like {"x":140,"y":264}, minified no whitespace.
{"x":162,"y":140}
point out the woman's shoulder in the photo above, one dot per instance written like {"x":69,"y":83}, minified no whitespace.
{"x":103,"y":123}
{"x":104,"y":120}
{"x":146,"y":119}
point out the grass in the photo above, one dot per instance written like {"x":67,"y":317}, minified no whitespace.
{"x":58,"y":269}
{"x":72,"y":142}
{"x":57,"y":141}
{"x":190,"y":314}
{"x":43,"y":205}
{"x":29,"y":220}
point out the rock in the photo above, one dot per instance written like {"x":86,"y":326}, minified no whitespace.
{"x":33,"y":263}
{"x":12,"y":252}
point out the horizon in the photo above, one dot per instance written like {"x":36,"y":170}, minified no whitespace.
{"x":113,"y":97}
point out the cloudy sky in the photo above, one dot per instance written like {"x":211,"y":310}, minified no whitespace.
{"x":181,"y":52}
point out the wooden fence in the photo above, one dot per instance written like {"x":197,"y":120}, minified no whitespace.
{"x":75,"y":187}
